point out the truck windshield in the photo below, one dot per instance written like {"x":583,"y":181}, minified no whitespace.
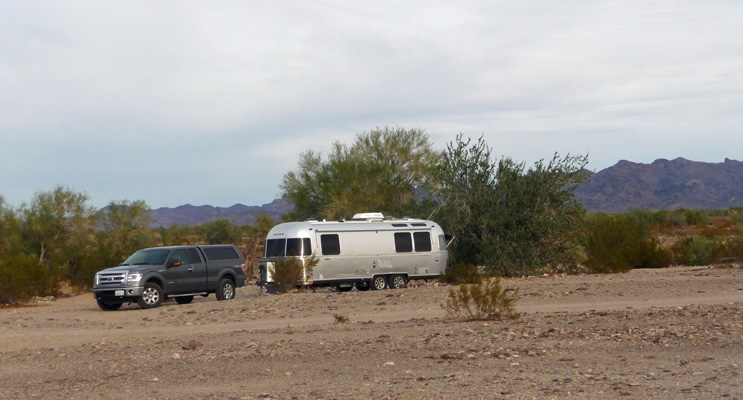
{"x":147,"y":257}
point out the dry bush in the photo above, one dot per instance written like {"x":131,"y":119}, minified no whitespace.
{"x":484,"y":301}
{"x":462,"y":273}
{"x":290,"y":272}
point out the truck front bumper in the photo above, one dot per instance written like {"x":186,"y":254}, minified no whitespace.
{"x":120,"y":294}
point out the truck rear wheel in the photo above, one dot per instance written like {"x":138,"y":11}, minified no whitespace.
{"x":226,"y":290}
{"x":362,"y":286}
{"x":397,"y":281}
{"x":108,"y":306}
{"x":379,"y":282}
{"x":151,"y":297}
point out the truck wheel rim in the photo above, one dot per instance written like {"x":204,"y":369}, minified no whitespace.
{"x":227,"y":291}
{"x":150,"y":296}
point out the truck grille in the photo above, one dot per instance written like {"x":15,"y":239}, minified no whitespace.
{"x":113,"y":278}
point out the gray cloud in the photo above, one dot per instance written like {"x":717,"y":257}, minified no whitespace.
{"x":211,"y":103}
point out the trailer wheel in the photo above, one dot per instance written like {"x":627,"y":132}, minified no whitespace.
{"x":184,"y":299}
{"x":362,"y":286}
{"x":379,"y":282}
{"x":397,"y":281}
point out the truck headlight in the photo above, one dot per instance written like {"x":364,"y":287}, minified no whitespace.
{"x":133,"y":278}
{"x":97,"y":281}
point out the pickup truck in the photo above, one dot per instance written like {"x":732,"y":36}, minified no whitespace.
{"x":182,"y":272}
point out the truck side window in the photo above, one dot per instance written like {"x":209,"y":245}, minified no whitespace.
{"x":331,"y":244}
{"x":403,"y":243}
{"x":220,"y":253}
{"x":178,"y":256}
{"x":193,"y":256}
{"x":422,"y":241}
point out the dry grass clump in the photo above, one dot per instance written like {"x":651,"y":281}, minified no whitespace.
{"x":486,"y":300}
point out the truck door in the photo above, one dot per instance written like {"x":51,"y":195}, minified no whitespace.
{"x":179,"y":275}
{"x":198,"y":265}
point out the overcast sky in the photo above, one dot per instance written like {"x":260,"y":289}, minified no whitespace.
{"x":186,"y":102}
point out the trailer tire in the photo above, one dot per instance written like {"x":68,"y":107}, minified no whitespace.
{"x":184,"y":299}
{"x":379,"y":282}
{"x":397,"y":281}
{"x":362,"y":286}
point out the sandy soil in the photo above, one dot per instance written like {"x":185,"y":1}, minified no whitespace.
{"x":668,"y":334}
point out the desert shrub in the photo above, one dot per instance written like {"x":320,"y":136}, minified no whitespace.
{"x":684,"y":216}
{"x":617,"y":244}
{"x":462,"y":273}
{"x":736,"y":213}
{"x":734,"y":249}
{"x":340,"y":318}
{"x":484,"y":301}
{"x":290,"y":272}
{"x":23,"y":277}
{"x":698,"y":250}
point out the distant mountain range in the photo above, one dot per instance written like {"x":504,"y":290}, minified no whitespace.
{"x":238,"y":214}
{"x":664,"y":184}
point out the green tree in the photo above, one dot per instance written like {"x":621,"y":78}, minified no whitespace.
{"x":380,"y":171}
{"x":507,"y":218}
{"x":126,"y":228}
{"x":222,"y":231}
{"x":53,"y":218}
{"x":9,"y":230}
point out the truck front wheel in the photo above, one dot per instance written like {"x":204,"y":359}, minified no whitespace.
{"x":108,"y":306}
{"x":226,"y":290}
{"x":151,"y":297}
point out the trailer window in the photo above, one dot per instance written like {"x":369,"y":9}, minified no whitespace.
{"x":422,"y":241}
{"x":442,"y":242}
{"x":331,"y":244}
{"x":403,"y":243}
{"x":275,"y":247}
{"x":298,"y":247}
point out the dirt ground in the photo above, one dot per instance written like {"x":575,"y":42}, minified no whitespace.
{"x":667,"y":334}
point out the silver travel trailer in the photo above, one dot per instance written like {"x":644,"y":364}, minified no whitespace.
{"x":369,"y":251}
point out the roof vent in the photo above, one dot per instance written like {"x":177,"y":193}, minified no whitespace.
{"x":369,"y":215}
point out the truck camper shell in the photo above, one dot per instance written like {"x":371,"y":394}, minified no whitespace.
{"x":370,"y":251}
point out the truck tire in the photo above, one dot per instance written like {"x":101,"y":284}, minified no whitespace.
{"x":151,"y":297}
{"x":108,"y":306}
{"x":397,"y":281}
{"x":362,"y":286}
{"x":184,"y":299}
{"x":226,"y":290}
{"x":379,"y":282}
